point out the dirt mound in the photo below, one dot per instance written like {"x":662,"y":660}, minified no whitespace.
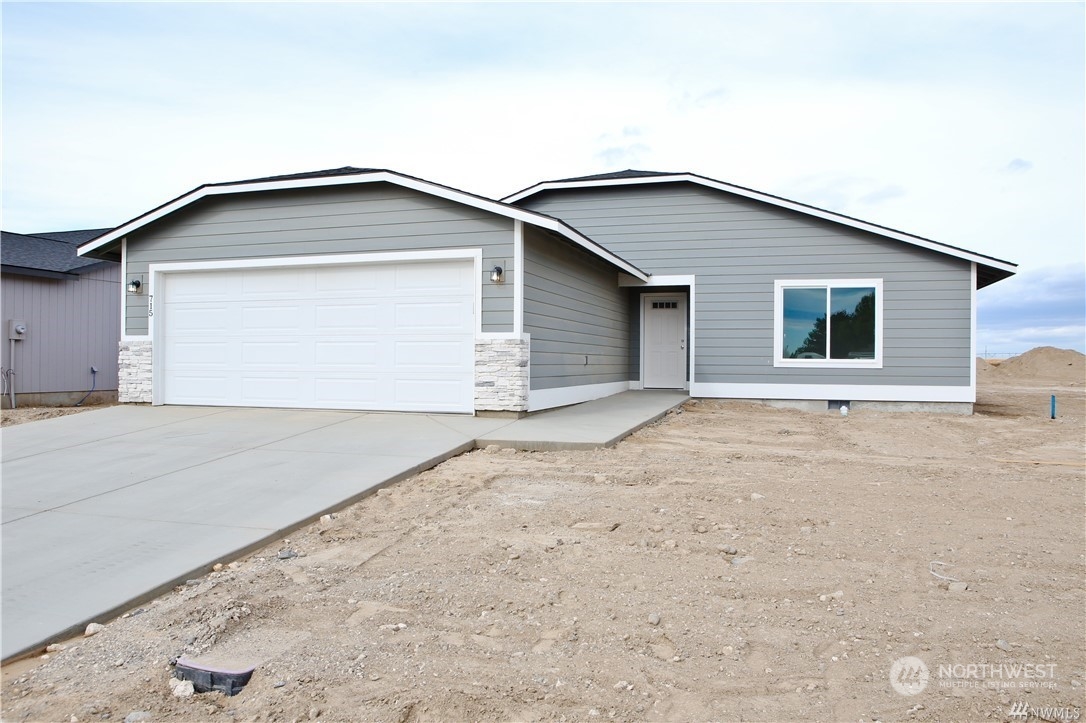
{"x":983,"y":365}
{"x":1047,"y":362}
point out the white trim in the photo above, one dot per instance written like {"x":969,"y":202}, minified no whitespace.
{"x":775,"y":201}
{"x":973,"y":329}
{"x":157,"y":272}
{"x":416,"y":184}
{"x":849,"y":392}
{"x":518,"y":277}
{"x":654,"y":280}
{"x":687,"y":335}
{"x":778,"y":324}
{"x":687,"y":280}
{"x":548,"y":398}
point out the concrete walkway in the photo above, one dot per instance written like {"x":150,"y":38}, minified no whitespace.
{"x":107,"y":508}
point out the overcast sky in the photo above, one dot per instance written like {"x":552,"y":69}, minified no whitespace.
{"x":959,"y":122}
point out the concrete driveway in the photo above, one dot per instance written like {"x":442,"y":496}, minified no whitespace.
{"x":110,"y":506}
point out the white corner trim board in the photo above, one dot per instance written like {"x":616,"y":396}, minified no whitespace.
{"x":518,"y":277}
{"x":850,"y":392}
{"x":562,"y":396}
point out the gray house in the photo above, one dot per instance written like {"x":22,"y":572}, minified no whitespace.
{"x":369,"y":289}
{"x":66,"y":308}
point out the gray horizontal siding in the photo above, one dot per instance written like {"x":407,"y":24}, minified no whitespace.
{"x":576,"y":315}
{"x":333,"y":220}
{"x":72,"y":325}
{"x":738,"y":247}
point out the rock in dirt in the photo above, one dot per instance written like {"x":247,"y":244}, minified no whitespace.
{"x":754,"y":497}
{"x":1004,"y":645}
{"x":93,"y":629}
{"x":727,"y":549}
{"x":737,"y":561}
{"x":138,"y":716}
{"x":601,"y":526}
{"x":184,"y":689}
{"x":654,"y":619}
{"x":286,"y":554}
{"x":958,"y":586}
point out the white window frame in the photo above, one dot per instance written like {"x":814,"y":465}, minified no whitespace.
{"x":778,"y":323}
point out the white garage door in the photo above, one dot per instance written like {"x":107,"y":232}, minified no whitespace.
{"x":375,"y":336}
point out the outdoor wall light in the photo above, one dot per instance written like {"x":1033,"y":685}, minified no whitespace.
{"x":134,"y":286}
{"x":497,"y":275}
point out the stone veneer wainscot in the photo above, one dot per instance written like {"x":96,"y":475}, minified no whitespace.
{"x":501,"y":375}
{"x":134,"y":371}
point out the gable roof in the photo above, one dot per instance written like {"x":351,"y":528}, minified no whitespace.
{"x":348,"y":175}
{"x":53,"y":254}
{"x":989,"y":268}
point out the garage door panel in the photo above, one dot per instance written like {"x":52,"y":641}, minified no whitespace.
{"x":439,"y":394}
{"x":354,"y":280}
{"x":281,"y":390}
{"x":284,"y":318}
{"x":360,"y":356}
{"x":384,"y":337}
{"x":200,"y":287}
{"x":345,"y":393}
{"x":432,"y":316}
{"x":203,"y":388}
{"x":202,"y":354}
{"x":274,"y":354}
{"x":194,"y":320}
{"x":431,"y":278}
{"x":273,"y":283}
{"x":420,"y":356}
{"x":346,"y":318}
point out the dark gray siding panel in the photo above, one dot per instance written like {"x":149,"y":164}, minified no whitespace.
{"x":738,"y":247}
{"x":332,"y":220}
{"x":576,"y":314}
{"x":72,"y":325}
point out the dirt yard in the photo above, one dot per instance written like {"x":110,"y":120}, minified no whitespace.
{"x":22,"y":415}
{"x":731,"y":562}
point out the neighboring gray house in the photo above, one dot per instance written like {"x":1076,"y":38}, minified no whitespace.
{"x":369,"y":289}
{"x":67,"y":306}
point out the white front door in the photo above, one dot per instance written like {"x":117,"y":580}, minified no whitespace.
{"x":664,"y":362}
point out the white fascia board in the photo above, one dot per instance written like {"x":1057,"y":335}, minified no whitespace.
{"x":433,"y":189}
{"x":775,"y":201}
{"x":850,"y":392}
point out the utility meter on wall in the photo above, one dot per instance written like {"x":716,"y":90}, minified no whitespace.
{"x":16,"y":329}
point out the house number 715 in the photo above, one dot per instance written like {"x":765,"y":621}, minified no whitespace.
{"x":150,"y":305}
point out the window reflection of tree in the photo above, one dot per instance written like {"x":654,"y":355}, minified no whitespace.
{"x":852,"y":334}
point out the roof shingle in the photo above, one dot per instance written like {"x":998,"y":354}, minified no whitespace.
{"x":55,"y":252}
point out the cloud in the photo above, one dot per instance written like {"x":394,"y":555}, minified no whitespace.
{"x":627,"y":156}
{"x":841,"y":193}
{"x":883,"y":194}
{"x":1019,"y":165}
{"x":1038,"y":307}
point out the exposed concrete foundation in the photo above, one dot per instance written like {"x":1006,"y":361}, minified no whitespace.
{"x":59,"y":399}
{"x":824,"y":405}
